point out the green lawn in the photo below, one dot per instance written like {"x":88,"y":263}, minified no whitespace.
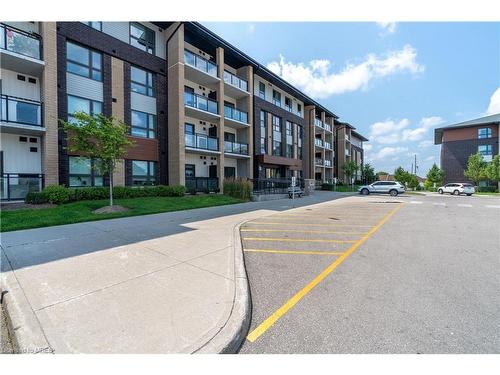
{"x":78,"y":212}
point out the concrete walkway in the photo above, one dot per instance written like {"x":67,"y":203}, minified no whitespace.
{"x":164,"y":283}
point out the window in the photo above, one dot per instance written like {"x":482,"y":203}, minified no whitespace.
{"x":299,"y":141}
{"x":288,"y":104}
{"x":262,"y":90}
{"x":229,"y":172}
{"x":289,"y":139}
{"x":484,"y":133}
{"x":84,"y":172}
{"x":190,"y":170}
{"x":486,"y":151}
{"x":299,"y":109}
{"x":83,"y":62}
{"x":94,"y":24}
{"x":263,"y":138}
{"x":276,"y":98}
{"x":142,"y":37}
{"x":77,"y":104}
{"x":143,"y":173}
{"x":276,"y":136}
{"x":141,"y":81}
{"x":188,"y":128}
{"x":143,"y":124}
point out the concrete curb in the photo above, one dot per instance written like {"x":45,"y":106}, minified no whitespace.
{"x":230,"y":337}
{"x":23,"y":326}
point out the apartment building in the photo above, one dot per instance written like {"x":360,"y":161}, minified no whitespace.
{"x":198,"y":109}
{"x":459,"y":141}
{"x":350,"y":148}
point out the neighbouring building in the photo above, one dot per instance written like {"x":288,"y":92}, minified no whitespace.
{"x":459,"y":141}
{"x":350,"y":148}
{"x":199,"y":110}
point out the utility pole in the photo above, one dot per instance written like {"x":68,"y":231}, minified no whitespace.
{"x":416,"y":164}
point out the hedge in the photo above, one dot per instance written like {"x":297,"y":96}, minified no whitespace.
{"x":59,"y":194}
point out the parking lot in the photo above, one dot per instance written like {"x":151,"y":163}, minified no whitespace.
{"x":376,"y":274}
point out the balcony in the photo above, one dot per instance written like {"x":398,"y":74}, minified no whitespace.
{"x":318,"y":142}
{"x":20,"y":115}
{"x":235,"y":118}
{"x":328,"y":163}
{"x":20,"y":51}
{"x":15,"y":186}
{"x":318,"y":123}
{"x":201,"y":142}
{"x":202,"y":184}
{"x":328,"y":127}
{"x":200,"y":107}
{"x":236,"y":148}
{"x":347,"y":152}
{"x":235,"y":86}
{"x":347,"y":138}
{"x":318,"y":162}
{"x":200,"y":70}
{"x":328,"y":145}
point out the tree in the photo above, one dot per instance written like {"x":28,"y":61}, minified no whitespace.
{"x":350,"y":169}
{"x":100,"y":137}
{"x":412,"y":181}
{"x":382,"y":173}
{"x":368,"y":173}
{"x":400,"y":175}
{"x":492,"y":170}
{"x":475,"y":168}
{"x":434,"y":176}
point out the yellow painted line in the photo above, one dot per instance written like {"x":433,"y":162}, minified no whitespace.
{"x":266,"y":324}
{"x":292,"y":252}
{"x":294,"y":240}
{"x":299,"y":231}
{"x":306,"y":224}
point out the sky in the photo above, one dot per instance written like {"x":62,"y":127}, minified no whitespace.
{"x":394,"y":82}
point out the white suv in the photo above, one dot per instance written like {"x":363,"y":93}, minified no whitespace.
{"x":457,"y":189}
{"x":392,"y":187}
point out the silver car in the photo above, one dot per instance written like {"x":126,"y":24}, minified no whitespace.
{"x":391,"y":187}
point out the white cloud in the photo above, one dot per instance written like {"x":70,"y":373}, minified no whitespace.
{"x":426,"y":143}
{"x":421,"y":131}
{"x":429,"y":158}
{"x":387,"y":27}
{"x":391,"y":132}
{"x":494,"y":106}
{"x":317,"y":81}
{"x":392,"y":153}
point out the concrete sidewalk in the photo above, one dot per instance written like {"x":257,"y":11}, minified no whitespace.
{"x":164,"y":283}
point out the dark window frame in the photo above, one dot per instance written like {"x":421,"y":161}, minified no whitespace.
{"x":489,"y":133}
{"x":91,"y":106}
{"x":277,"y":102}
{"x":148,"y":85}
{"x":149,"y":127}
{"x":90,"y":67}
{"x":147,"y":44}
{"x":150,"y":176}
{"x":188,"y":166}
{"x":262,"y":93}
{"x":91,"y":24}
{"x":93,"y":173}
{"x":263,"y":132}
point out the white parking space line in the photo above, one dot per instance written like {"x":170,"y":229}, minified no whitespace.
{"x":439,"y":204}
{"x":416,"y":202}
{"x":464,"y":205}
{"x":492,"y":206}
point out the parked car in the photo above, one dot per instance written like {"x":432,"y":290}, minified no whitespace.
{"x":457,"y":188}
{"x":391,"y":187}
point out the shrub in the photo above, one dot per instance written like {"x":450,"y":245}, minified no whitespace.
{"x":36,"y":197}
{"x":327,"y":186}
{"x":486,"y":189}
{"x":57,"y":194}
{"x":89,"y":193}
{"x":238,"y":188}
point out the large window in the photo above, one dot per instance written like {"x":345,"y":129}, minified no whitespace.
{"x":77,"y":104}
{"x":84,"y":172}
{"x":190,"y":170}
{"x":141,"y":81}
{"x":142,"y":37}
{"x":288,"y":104}
{"x":299,"y":109}
{"x":143,"y":124}
{"x":143,"y":173}
{"x":276,"y":136}
{"x":289,"y":140}
{"x":485,"y":150}
{"x":262,"y":90}
{"x":484,"y":133}
{"x":83,"y":61}
{"x":276,"y":98}
{"x":94,"y":24}
{"x":263,"y":138}
{"x":300,"y":134}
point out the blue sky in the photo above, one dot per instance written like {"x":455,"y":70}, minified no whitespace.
{"x":394,"y":82}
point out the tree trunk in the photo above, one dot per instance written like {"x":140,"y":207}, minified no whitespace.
{"x":111,"y":188}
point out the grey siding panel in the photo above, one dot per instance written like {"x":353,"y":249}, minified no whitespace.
{"x":84,"y":87}
{"x":118,"y":30}
{"x":142,"y":103}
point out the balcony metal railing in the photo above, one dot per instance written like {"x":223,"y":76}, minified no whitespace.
{"x":328,"y":127}
{"x":274,"y":185}
{"x":202,"y":184}
{"x":347,"y":152}
{"x":236,"y":148}
{"x":20,"y":110}
{"x":318,"y":122}
{"x":200,"y":102}
{"x":328,"y":145}
{"x":328,"y":163}
{"x":318,"y":161}
{"x":347,"y":138}
{"x":202,"y":142}
{"x":318,"y":142}
{"x":236,"y":81}
{"x":15,"y":186}
{"x":19,"y":41}
{"x":200,"y":63}
{"x":235,"y":114}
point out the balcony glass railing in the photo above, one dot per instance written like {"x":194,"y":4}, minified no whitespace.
{"x":202,"y":142}
{"x":328,"y":145}
{"x":318,"y":142}
{"x":318,"y":122}
{"x":19,"y":41}
{"x":236,"y":81}
{"x":319,"y":161}
{"x":15,"y":186}
{"x":200,"y":63}
{"x":200,"y":102}
{"x":202,"y":184}
{"x":328,"y":127}
{"x":235,"y":114}
{"x":236,"y":148}
{"x":20,"y":111}
{"x":328,"y":163}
